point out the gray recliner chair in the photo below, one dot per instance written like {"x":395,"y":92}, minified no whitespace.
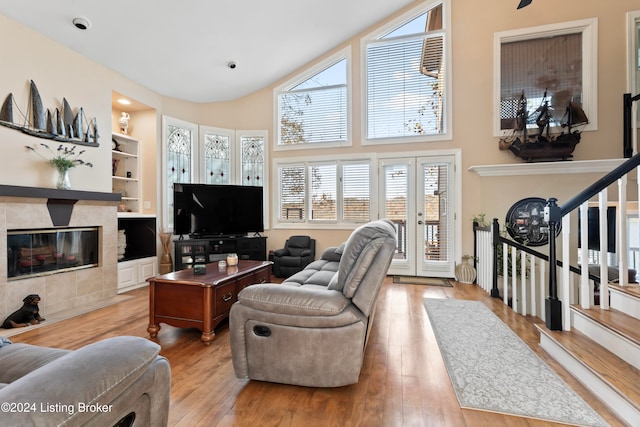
{"x":314,"y":334}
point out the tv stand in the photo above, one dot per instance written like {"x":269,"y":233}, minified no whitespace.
{"x":188,"y":252}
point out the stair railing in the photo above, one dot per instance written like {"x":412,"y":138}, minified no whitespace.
{"x":560,"y":317}
{"x":518,"y":278}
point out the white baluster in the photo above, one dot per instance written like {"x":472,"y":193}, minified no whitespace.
{"x":565,"y":296}
{"x":621,"y":234}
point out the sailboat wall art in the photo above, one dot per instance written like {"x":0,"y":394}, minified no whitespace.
{"x":60,"y":125}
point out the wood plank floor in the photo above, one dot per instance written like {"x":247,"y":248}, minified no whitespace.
{"x":403,"y":382}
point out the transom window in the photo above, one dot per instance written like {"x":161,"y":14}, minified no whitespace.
{"x":314,"y":109}
{"x":406,"y":77}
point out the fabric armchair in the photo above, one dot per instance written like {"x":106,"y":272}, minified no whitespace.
{"x":297,"y":253}
{"x":314,"y":334}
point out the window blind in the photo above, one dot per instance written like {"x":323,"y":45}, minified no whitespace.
{"x":405,"y":79}
{"x":315,"y":110}
{"x":323,"y":192}
{"x":535,"y":66}
{"x":356,"y":198}
{"x":292,"y":193}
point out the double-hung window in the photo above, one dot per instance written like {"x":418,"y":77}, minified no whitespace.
{"x":327,"y":191}
{"x":313,"y":110}
{"x":407,"y":77}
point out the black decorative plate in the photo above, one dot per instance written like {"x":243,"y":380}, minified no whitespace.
{"x":525,"y":222}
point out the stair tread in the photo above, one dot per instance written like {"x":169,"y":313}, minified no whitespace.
{"x":610,"y":368}
{"x":631,"y":289}
{"x":614,"y":320}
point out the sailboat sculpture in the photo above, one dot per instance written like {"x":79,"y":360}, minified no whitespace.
{"x":61,"y":125}
{"x":526,"y":143}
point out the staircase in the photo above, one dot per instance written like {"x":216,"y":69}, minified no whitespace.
{"x":602,"y":350}
{"x":598,"y":340}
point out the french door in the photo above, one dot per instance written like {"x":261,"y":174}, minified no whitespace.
{"x":417,"y":194}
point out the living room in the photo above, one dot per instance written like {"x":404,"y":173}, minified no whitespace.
{"x":470,"y":138}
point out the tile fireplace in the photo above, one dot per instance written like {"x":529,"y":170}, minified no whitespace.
{"x":41,"y":251}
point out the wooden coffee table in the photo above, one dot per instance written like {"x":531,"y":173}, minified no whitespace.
{"x":187,"y":300}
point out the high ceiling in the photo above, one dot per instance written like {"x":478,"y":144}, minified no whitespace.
{"x":182,"y":49}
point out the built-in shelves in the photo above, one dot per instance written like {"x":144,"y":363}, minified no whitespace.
{"x":125,"y":167}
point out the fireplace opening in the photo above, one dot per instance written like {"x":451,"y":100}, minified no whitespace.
{"x":38,"y":252}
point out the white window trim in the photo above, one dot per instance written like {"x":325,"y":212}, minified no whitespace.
{"x":399,"y":21}
{"x":233,"y":152}
{"x":323,"y":224}
{"x":310,"y":72}
{"x":265,"y":184}
{"x":170,"y":121}
{"x":633,"y":18}
{"x":589,"y":30}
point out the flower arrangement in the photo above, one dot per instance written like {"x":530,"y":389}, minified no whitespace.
{"x":63,"y":159}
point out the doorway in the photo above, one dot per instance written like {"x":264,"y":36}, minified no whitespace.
{"x":418,"y":196}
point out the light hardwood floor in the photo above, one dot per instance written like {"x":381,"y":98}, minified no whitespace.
{"x":403,"y":382}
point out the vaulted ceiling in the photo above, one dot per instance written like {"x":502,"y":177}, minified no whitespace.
{"x":182,"y":49}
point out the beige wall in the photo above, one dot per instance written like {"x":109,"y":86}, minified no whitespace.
{"x":60,"y":72}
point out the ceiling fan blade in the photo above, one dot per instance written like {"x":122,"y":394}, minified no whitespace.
{"x":524,"y":3}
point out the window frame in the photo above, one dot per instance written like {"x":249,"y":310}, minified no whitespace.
{"x":197,"y":174}
{"x":589,"y":30}
{"x":405,"y":18}
{"x":167,"y":121}
{"x":304,"y":163}
{"x":345,"y":54}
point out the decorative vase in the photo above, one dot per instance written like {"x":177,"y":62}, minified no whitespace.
{"x":465,"y":273}
{"x":62,"y":180}
{"x":166,"y":263}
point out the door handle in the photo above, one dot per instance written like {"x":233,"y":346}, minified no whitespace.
{"x":419,"y":222}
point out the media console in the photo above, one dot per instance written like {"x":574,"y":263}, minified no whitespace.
{"x":201,"y":251}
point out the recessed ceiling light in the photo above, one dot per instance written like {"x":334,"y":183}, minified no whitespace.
{"x":124,"y":101}
{"x":81,"y":23}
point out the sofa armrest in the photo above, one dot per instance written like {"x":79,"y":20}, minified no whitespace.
{"x":92,"y":375}
{"x":292,"y":300}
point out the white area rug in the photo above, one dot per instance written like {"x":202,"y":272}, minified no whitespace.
{"x":492,"y":369}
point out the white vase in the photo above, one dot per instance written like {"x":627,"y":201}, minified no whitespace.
{"x":465,"y":273}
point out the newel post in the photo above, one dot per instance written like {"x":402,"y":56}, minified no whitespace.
{"x":553,"y":216}
{"x":495,"y":239}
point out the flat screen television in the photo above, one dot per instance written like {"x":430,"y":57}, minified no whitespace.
{"x":205,"y":210}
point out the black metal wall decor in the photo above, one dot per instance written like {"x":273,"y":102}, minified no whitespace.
{"x":61,"y":125}
{"x":525,"y":222}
